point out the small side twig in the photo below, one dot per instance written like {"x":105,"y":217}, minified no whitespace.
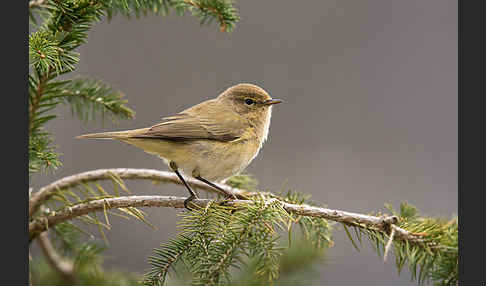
{"x":35,"y":3}
{"x":389,"y":243}
{"x":61,"y":265}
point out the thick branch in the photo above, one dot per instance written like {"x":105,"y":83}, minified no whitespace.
{"x":380,"y":223}
{"x":104,"y":174}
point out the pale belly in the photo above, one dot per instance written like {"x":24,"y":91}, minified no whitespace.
{"x":215,"y":161}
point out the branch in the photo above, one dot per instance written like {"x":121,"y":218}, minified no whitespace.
{"x":35,"y":3}
{"x":39,"y":225}
{"x":136,"y":174}
{"x":389,"y":243}
{"x":35,"y":101}
{"x":64,"y":267}
{"x":213,"y":10}
{"x":88,"y":96}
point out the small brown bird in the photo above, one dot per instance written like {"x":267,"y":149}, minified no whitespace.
{"x":210,"y":141}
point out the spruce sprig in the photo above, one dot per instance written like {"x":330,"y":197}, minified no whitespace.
{"x":42,"y":156}
{"x":64,"y":199}
{"x":432,"y":258}
{"x":195,"y":230}
{"x":206,"y":11}
{"x":247,"y":231}
{"x":89,"y":98}
{"x":315,"y":230}
{"x":216,"y":240}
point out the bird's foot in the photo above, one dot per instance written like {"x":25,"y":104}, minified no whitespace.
{"x":228,"y":198}
{"x":231,"y":197}
{"x":188,"y":200}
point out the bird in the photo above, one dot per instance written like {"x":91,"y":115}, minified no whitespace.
{"x":210,"y":141}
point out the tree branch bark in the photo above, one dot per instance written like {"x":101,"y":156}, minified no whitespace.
{"x":39,"y":225}
{"x":46,"y":192}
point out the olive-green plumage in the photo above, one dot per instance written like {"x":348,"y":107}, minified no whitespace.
{"x":213,"y":140}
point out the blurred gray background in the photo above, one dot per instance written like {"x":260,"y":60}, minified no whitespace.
{"x":370,"y":112}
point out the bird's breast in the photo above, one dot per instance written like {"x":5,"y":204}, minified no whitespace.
{"x":216,"y":161}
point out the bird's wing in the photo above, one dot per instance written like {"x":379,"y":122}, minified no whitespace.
{"x":198,"y":122}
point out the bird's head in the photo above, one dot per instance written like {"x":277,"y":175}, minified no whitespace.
{"x":250,"y":101}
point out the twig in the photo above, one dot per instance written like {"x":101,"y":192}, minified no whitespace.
{"x":64,"y":267}
{"x":33,"y":106}
{"x":215,"y":11}
{"x":35,"y":3}
{"x":359,"y":220}
{"x":136,"y":174}
{"x":389,"y":243}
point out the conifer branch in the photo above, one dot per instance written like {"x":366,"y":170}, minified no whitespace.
{"x":204,"y":8}
{"x":382,"y":224}
{"x":34,"y":105}
{"x":123,"y":173}
{"x":427,"y":243}
{"x":39,"y":225}
{"x":41,"y":152}
{"x":87,"y":97}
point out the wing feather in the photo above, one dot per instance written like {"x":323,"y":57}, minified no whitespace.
{"x":199,"y":122}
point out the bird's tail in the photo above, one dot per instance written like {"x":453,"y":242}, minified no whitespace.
{"x":113,"y":135}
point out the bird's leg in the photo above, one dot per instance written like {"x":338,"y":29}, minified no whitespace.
{"x":192,"y":196}
{"x":229,"y":195}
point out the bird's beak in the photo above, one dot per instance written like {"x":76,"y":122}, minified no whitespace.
{"x":272,"y":101}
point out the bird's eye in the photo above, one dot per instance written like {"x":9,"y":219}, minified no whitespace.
{"x":249,"y":101}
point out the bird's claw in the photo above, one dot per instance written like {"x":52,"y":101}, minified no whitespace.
{"x":188,"y":200}
{"x":227,"y":199}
